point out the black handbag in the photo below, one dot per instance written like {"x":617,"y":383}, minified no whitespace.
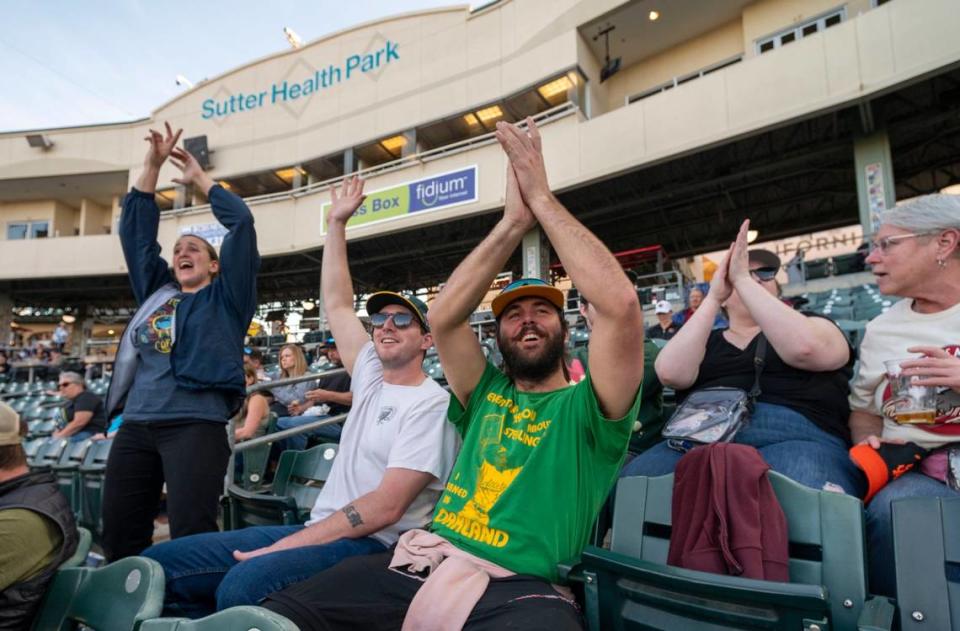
{"x":712,"y":415}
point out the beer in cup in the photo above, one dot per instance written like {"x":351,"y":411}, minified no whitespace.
{"x":912,"y":403}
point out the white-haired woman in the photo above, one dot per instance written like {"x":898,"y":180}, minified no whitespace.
{"x":915,"y":254}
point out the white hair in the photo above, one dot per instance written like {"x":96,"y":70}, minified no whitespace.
{"x":928,"y":214}
{"x":72,"y":377}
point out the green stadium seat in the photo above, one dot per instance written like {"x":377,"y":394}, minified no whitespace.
{"x":235,"y":619}
{"x":91,"y":474}
{"x":256,"y":460}
{"x":848,"y":263}
{"x":631,"y":587}
{"x":67,"y":471}
{"x":300,"y":476}
{"x":116,"y":597}
{"x":48,"y":454}
{"x":84,"y":541}
{"x":838,"y":312}
{"x":926,"y":534}
{"x":817,"y":268}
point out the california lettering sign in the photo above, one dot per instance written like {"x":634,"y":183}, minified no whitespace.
{"x":432,"y":193}
{"x":287,"y":91}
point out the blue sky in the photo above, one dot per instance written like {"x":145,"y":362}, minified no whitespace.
{"x":78,"y":63}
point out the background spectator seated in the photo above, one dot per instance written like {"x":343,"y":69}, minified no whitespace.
{"x":85,"y":415}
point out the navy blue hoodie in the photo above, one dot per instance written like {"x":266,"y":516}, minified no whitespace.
{"x":210,"y":325}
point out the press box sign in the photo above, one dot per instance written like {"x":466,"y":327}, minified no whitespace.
{"x":433,"y":193}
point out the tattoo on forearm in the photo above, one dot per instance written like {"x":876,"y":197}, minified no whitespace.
{"x":353,"y":515}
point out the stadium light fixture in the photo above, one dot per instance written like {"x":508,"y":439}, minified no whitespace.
{"x":39,"y":141}
{"x":394,"y":143}
{"x":471,"y":119}
{"x":308,"y":305}
{"x":653,"y":16}
{"x":111,"y":332}
{"x":491,"y":113}
{"x":69,"y":319}
{"x":752,"y":235}
{"x":555,"y":87}
{"x":289,"y":173}
{"x":292,"y":38}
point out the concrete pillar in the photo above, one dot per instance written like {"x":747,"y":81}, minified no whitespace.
{"x":350,"y":162}
{"x":299,"y":177}
{"x":410,"y":148}
{"x":536,"y":255}
{"x":6,"y":319}
{"x":874,"y":174}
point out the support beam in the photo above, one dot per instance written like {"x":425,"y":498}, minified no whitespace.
{"x":536,"y":255}
{"x":873,"y":168}
{"x":6,"y":319}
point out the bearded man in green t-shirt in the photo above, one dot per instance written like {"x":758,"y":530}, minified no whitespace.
{"x":539,"y":456}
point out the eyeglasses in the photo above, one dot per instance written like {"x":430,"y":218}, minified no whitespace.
{"x":764,"y":274}
{"x":400,"y":320}
{"x":884,"y":244}
{"x":61,"y":386}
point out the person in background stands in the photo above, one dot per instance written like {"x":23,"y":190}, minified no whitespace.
{"x":665,"y":328}
{"x":84,"y":411}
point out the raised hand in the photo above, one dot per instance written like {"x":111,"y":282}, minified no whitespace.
{"x":937,"y":368}
{"x":183,"y":160}
{"x":720,"y":285}
{"x":160,"y":146}
{"x":515,"y":210}
{"x":739,"y":266}
{"x":346,"y":201}
{"x":525,"y":151}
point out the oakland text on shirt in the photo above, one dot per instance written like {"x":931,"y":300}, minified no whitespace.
{"x":495,"y":475}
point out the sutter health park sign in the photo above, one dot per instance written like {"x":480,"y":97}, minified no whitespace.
{"x":288,"y":91}
{"x":433,"y":193}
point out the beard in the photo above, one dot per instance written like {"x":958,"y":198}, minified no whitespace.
{"x":538,"y":367}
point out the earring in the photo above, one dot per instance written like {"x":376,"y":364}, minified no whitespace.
{"x":942,"y":263}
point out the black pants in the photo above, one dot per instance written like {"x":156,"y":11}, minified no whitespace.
{"x":191,"y":457}
{"x":363,"y":593}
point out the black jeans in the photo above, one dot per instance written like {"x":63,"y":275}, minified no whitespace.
{"x":190,"y":456}
{"x":361,"y":592}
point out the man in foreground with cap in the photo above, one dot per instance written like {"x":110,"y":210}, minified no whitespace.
{"x":665,"y":328}
{"x":539,"y":455}
{"x":36,"y":528}
{"x":395,"y":453}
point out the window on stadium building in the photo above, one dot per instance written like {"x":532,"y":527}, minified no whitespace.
{"x":672,"y":83}
{"x":557,"y":90}
{"x":28,"y":230}
{"x":804,"y":29}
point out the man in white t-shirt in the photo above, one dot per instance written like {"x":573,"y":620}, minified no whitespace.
{"x":395,"y":454}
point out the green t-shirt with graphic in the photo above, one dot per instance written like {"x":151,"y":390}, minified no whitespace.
{"x":532,"y":474}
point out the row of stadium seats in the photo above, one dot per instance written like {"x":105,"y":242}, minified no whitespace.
{"x":79,"y":468}
{"x":128,"y":594}
{"x":629,"y":585}
{"x":834,"y":266}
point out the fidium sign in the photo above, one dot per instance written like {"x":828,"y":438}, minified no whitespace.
{"x":432,"y":193}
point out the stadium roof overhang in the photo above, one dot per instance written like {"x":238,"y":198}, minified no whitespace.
{"x":792,"y":179}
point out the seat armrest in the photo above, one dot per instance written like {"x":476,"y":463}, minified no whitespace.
{"x":877,"y":615}
{"x":282,"y":501}
{"x":570,"y":571}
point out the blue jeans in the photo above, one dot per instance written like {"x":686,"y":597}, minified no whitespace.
{"x":299,"y":442}
{"x":790,"y":443}
{"x":883,"y":579}
{"x":203,"y":577}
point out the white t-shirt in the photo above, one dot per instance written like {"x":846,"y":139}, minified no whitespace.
{"x":390,"y":426}
{"x":888,"y":336}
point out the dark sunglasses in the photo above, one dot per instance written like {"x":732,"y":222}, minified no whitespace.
{"x":400,"y":320}
{"x":764,"y":273}
{"x":64,"y":385}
